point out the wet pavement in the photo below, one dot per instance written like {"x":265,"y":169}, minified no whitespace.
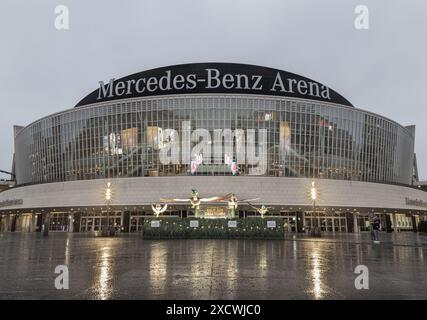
{"x":128,"y":267}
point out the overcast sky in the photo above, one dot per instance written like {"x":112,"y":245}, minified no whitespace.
{"x":43,"y":70}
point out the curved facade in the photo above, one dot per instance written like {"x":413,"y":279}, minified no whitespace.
{"x":255,"y":132}
{"x":159,"y":137}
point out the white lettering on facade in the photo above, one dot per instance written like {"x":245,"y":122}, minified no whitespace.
{"x":213,"y":80}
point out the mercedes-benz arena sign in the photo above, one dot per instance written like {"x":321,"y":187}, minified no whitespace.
{"x":213,"y":78}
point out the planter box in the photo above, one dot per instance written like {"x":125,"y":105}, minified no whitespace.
{"x":183,"y":228}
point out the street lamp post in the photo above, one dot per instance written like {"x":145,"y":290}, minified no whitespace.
{"x":315,"y":230}
{"x":106,"y":231}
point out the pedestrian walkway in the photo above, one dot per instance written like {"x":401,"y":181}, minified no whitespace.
{"x":128,"y":267}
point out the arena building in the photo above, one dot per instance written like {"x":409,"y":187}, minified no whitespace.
{"x":264,"y":135}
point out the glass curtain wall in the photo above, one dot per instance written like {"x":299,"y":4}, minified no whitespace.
{"x":188,"y":135}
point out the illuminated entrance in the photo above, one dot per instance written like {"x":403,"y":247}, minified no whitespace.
{"x":327,"y":221}
{"x":94,"y":221}
{"x":226,"y":206}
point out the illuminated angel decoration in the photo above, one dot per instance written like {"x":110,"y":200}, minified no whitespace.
{"x":196,"y":201}
{"x":158,"y":209}
{"x":233,"y":203}
{"x":262,"y":211}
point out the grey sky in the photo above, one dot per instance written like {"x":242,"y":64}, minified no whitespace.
{"x":383,"y":69}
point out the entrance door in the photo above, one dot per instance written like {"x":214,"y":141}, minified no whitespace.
{"x":89,"y":225}
{"x":289,"y":224}
{"x":327,"y":222}
{"x":289,"y":221}
{"x":133,"y":227}
{"x":336,"y":224}
{"x":94,"y":221}
{"x":59,"y":221}
{"x":136,"y":223}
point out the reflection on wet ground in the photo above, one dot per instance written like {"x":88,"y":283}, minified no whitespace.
{"x":127,"y":267}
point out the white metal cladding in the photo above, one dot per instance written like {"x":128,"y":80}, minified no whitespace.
{"x":270,"y":190}
{"x":326,"y":140}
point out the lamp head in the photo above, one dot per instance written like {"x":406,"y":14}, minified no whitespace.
{"x":108,"y":192}
{"x":313,"y":191}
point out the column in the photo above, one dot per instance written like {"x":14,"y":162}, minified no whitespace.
{"x":350,"y":222}
{"x":46,"y":222}
{"x":76,"y":221}
{"x":39,"y":222}
{"x":388,"y":225}
{"x":70,"y":222}
{"x":393,"y":217}
{"x":33,"y":227}
{"x":414,"y":223}
{"x":356,"y":222}
{"x":300,"y":222}
{"x":7,"y":223}
{"x":126,"y":221}
{"x":14,"y":221}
